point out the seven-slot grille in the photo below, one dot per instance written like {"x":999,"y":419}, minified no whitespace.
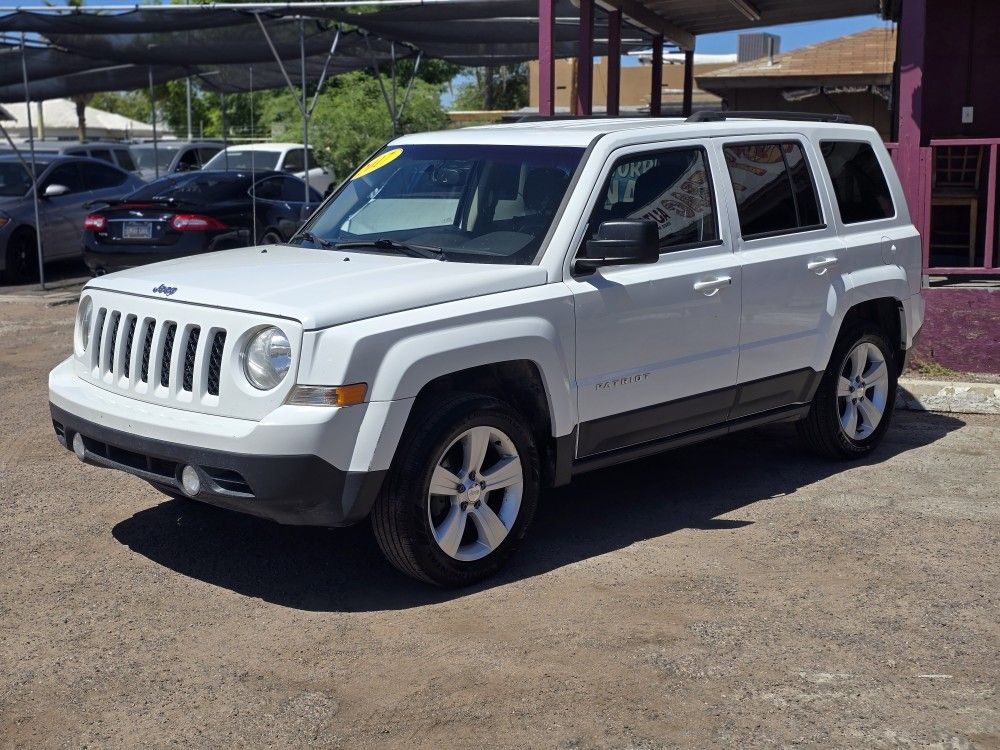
{"x":142,"y":353}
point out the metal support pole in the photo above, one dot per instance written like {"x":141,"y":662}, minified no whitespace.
{"x":614,"y":62}
{"x":326,"y":67}
{"x":392,"y":77}
{"x":656,"y":82}
{"x":305,"y":111}
{"x":34,"y":169}
{"x":389,"y":105}
{"x":253,"y":168}
{"x":190,"y":133}
{"x":225,"y":137}
{"x":152,"y":112}
{"x":585,"y":60}
{"x":688,"y":82}
{"x":546,"y":61}
{"x":409,"y":86}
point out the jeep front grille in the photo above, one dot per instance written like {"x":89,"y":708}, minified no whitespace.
{"x":215,"y":363}
{"x":142,"y":354}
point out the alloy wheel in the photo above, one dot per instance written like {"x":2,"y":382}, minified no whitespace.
{"x":862,"y":391}
{"x":475,"y":493}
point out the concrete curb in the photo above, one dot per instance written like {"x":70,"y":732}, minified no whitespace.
{"x":948,"y":396}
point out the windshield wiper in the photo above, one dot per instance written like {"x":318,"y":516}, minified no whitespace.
{"x":310,"y":237}
{"x":406,"y":248}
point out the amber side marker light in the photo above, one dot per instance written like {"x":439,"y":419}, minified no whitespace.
{"x":328,"y":395}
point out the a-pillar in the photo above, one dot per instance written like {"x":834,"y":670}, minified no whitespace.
{"x":656,"y":84}
{"x":614,"y":62}
{"x":546,"y":61}
{"x":585,"y":60}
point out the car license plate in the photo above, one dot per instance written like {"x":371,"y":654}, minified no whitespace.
{"x":137,"y":230}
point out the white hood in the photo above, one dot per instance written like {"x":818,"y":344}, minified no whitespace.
{"x":319,"y":288}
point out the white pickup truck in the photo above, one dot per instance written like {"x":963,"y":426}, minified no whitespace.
{"x":476,"y":315}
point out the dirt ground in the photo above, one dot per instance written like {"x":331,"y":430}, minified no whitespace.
{"x":735,"y":594}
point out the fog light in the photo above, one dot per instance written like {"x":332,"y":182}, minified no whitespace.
{"x":78,"y":447}
{"x":190,"y":481}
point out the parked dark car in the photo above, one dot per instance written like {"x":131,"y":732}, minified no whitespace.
{"x":194,"y":212}
{"x":66,"y":187}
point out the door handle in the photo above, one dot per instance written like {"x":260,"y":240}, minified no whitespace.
{"x":711,"y":287}
{"x":820,"y":265}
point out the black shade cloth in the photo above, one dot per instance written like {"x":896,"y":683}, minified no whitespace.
{"x":114,"y":78}
{"x":217,"y":46}
{"x":129,"y":22}
{"x":477,"y":33}
{"x":42,"y":63}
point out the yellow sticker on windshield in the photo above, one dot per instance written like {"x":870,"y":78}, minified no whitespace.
{"x":378,"y":162}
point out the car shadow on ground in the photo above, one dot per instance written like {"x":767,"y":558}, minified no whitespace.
{"x":342,"y":569}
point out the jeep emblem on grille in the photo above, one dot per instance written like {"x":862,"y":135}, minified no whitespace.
{"x":164,"y":289}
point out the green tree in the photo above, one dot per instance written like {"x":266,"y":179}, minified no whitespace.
{"x":490,"y":88}
{"x":351,"y":119}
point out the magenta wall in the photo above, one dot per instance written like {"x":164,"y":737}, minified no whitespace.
{"x":961,"y":68}
{"x":961,"y":329}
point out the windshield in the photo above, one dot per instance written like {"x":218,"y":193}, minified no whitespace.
{"x":14,"y":179}
{"x":148,"y":158}
{"x":244,"y":159}
{"x":195,"y":187}
{"x":478,"y":204}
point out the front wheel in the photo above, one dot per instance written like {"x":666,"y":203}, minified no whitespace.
{"x":853,"y":403}
{"x":21,"y":258}
{"x":461,"y":492}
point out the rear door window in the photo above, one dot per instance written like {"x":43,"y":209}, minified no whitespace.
{"x":125,"y":160}
{"x":104,"y":154}
{"x":294,"y":161}
{"x":858,"y":181}
{"x":774,"y":188}
{"x":99,"y":176}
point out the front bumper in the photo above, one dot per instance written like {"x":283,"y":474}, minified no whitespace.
{"x":284,"y":467}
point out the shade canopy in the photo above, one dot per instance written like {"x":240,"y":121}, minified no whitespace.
{"x":101,"y":50}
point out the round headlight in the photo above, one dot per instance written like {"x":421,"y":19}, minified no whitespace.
{"x":83,"y":321}
{"x":266,"y":359}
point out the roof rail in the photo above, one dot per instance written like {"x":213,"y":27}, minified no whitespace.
{"x":707,"y":116}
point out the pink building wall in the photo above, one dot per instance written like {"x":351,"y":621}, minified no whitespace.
{"x":961,"y":68}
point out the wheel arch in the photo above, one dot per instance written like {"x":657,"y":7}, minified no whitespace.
{"x":887,"y":314}
{"x":517,"y":361}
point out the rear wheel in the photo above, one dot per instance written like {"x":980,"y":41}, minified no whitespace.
{"x":853,"y":404}
{"x":461,"y":493}
{"x":21,"y":258}
{"x":271,"y":238}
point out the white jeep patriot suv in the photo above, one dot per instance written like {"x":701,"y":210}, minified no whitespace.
{"x":478,"y":314}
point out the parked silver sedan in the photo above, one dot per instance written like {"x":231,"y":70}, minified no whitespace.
{"x":67,"y":185}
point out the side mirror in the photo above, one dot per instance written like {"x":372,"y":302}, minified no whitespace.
{"x":54,"y":191}
{"x":622,"y":243}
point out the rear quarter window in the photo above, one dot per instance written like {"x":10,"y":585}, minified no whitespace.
{"x":858,"y":181}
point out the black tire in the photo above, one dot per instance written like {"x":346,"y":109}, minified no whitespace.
{"x":271,"y":238}
{"x":21,"y":258}
{"x":821,"y":429}
{"x":401,"y":517}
